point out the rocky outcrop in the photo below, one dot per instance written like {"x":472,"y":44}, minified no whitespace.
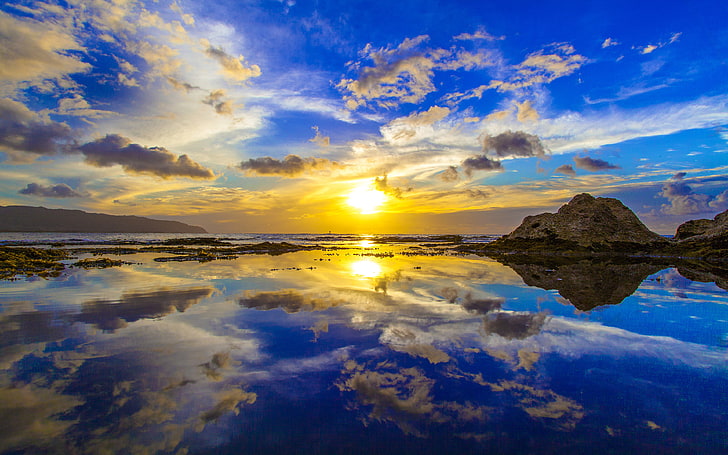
{"x":588,"y":225}
{"x":585,"y":223}
{"x":703,"y":229}
{"x":692,"y":228}
{"x":703,"y":238}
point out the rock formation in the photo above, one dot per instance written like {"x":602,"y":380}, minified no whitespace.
{"x":589,"y":225}
{"x":585,"y":223}
{"x":703,"y":238}
{"x":692,"y":228}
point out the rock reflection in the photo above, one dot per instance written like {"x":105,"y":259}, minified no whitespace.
{"x":705,"y":272}
{"x":586,"y":283}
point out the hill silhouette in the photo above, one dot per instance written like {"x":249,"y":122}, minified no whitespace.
{"x":19,"y":218}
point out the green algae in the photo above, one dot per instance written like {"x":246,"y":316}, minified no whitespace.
{"x":31,"y":261}
{"x":99,"y":263}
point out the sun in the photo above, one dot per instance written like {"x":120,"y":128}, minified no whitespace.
{"x":365,"y":199}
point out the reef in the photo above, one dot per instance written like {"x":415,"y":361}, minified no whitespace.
{"x":31,"y":261}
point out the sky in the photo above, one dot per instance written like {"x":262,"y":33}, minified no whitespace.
{"x":364,"y":117}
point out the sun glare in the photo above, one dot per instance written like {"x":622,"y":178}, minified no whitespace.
{"x":366,"y":268}
{"x":366,"y":200}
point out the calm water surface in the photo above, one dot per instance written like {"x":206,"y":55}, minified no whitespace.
{"x":355,"y":350}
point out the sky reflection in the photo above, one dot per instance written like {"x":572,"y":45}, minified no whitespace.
{"x":269,"y":353}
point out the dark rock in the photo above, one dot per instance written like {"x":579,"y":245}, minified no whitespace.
{"x":586,"y":222}
{"x":692,"y":228}
{"x":703,"y":238}
{"x":704,"y":229}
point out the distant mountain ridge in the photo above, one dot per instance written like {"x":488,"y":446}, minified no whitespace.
{"x":20,"y":218}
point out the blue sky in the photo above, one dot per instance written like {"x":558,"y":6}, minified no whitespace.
{"x":275,"y":115}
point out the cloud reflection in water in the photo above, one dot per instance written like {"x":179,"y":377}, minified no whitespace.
{"x":454,"y":349}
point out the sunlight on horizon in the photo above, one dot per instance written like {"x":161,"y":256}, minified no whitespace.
{"x":366,"y":244}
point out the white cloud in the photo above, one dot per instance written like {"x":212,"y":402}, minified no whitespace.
{"x":609,"y":42}
{"x":478,"y":35}
{"x":234,"y":68}
{"x":33,"y":51}
{"x":399,"y":75}
{"x":650,"y":48}
{"x":416,"y":126}
{"x":573,"y":131}
{"x":526,"y":112}
{"x":541,"y":67}
{"x":404,"y":74}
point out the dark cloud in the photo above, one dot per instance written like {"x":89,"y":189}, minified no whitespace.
{"x":450,"y":174}
{"x":480,"y":163}
{"x":720,"y":202}
{"x":514,"y":326}
{"x":22,"y":131}
{"x":565,"y":169}
{"x":289,"y":300}
{"x":115,"y":314}
{"x":514,"y":144}
{"x":60,"y":191}
{"x":682,"y":199}
{"x":233,"y":67}
{"x":593,"y":164}
{"x":381,"y":184}
{"x":179,"y":85}
{"x":114,"y":149}
{"x":476,"y":193}
{"x":219,"y":361}
{"x":482,"y":306}
{"x":229,"y":402}
{"x":217,"y":100}
{"x":290,"y":166}
{"x":449,"y":293}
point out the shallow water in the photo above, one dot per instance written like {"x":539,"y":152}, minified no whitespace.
{"x":358,"y":351}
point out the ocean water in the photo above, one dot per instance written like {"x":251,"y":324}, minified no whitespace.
{"x":362,"y":347}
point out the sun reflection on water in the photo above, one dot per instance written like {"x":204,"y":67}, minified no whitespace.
{"x":366,"y":268}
